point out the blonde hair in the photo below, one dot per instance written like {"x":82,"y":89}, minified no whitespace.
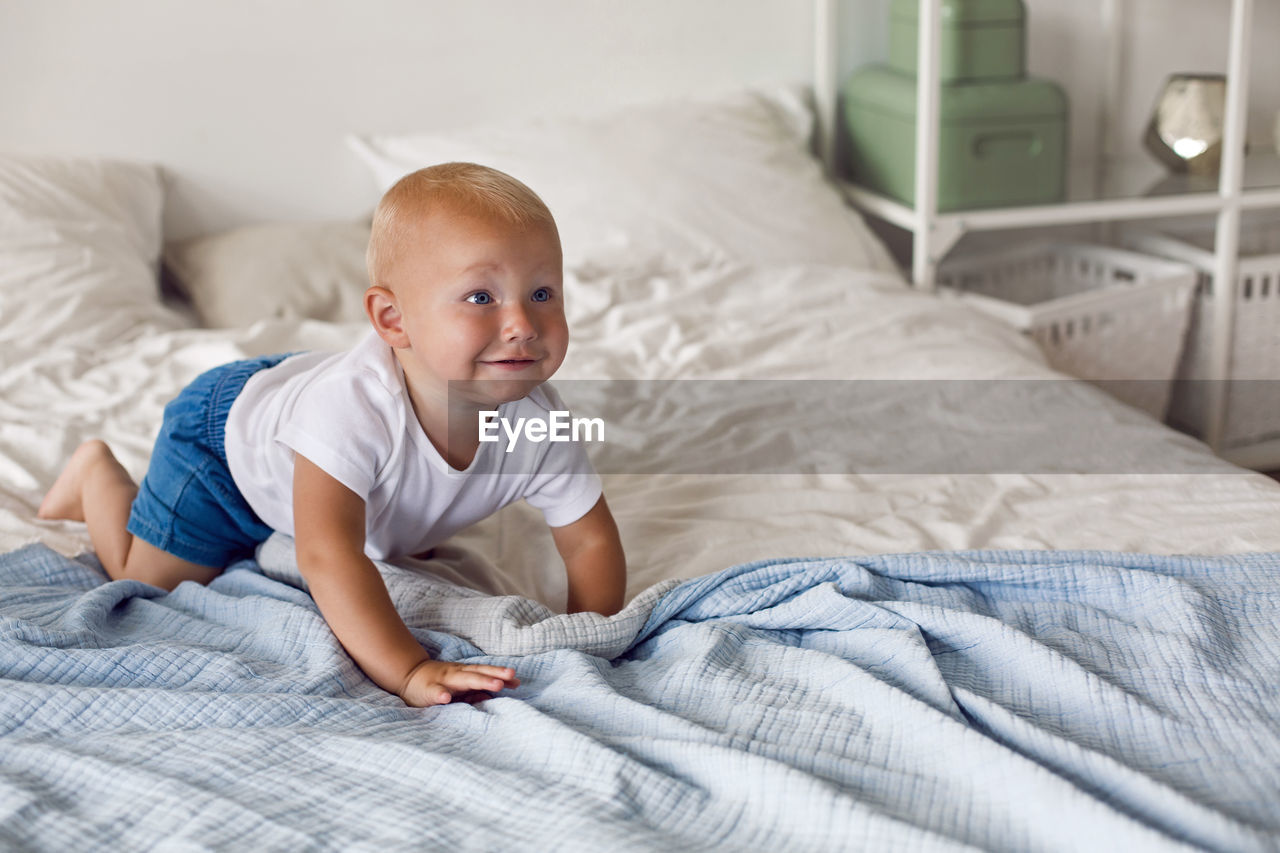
{"x":465,"y":188}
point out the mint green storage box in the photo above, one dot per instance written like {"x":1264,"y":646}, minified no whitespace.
{"x":978,"y":39}
{"x":999,"y":144}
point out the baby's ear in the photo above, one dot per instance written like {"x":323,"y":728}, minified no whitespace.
{"x":384,"y":313}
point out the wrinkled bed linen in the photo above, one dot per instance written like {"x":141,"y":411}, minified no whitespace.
{"x":75,"y":378}
{"x":973,"y":700}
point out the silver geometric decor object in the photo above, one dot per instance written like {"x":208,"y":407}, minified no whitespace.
{"x":1185,"y":131}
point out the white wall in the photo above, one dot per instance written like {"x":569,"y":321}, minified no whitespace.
{"x":247,"y":101}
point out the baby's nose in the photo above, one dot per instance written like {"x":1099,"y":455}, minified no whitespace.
{"x":516,"y":324}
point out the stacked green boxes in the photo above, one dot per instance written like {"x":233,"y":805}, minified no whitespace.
{"x":1002,"y":135}
{"x":980,"y":39}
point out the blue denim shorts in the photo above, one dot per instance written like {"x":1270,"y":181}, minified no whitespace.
{"x":188,"y":504}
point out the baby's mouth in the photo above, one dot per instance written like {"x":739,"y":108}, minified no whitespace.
{"x":512,"y":363}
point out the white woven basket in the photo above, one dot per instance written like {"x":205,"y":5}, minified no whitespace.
{"x":1098,"y":313}
{"x":1253,"y":412}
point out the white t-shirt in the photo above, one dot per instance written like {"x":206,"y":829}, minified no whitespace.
{"x":350,"y":414}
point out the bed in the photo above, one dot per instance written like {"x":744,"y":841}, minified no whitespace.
{"x":894,"y":583}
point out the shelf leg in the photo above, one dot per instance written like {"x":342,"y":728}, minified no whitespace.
{"x":924,"y":256}
{"x":1226,"y":244}
{"x":824,"y":79}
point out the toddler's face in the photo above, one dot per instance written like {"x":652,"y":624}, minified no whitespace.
{"x":482,"y":299}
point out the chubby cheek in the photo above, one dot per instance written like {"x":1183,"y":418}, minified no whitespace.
{"x":449,"y":358}
{"x":556,"y":340}
{"x":466,"y":340}
{"x":555,"y":328}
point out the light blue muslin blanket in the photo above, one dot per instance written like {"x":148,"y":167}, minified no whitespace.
{"x":990,"y":700}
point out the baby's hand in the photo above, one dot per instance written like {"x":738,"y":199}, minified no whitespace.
{"x":438,"y":682}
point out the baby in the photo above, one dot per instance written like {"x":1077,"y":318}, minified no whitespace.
{"x":375,"y":453}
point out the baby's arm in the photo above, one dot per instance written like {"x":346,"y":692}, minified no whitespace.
{"x":594,"y":561}
{"x":329,"y":525}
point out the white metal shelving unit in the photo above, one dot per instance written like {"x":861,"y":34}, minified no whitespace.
{"x":935,"y":233}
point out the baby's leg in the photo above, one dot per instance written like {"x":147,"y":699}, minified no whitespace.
{"x":96,"y":489}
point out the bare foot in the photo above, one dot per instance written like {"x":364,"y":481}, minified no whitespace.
{"x":65,"y":498}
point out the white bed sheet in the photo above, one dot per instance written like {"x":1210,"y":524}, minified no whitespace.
{"x":822,"y":323}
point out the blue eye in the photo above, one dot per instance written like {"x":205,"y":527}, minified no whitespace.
{"x":480,"y":298}
{"x":542,"y":295}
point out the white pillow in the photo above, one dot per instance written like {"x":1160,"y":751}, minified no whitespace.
{"x":79,"y":246}
{"x":314,"y":270}
{"x":664,"y":187}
